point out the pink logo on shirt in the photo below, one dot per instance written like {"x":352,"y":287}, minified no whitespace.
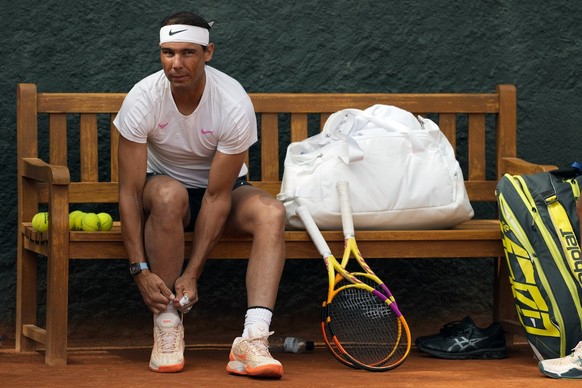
{"x":205,"y":132}
{"x":163,"y":125}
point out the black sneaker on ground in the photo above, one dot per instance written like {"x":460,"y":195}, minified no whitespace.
{"x":462,"y":340}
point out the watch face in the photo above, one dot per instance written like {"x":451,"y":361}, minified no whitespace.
{"x":135,"y":268}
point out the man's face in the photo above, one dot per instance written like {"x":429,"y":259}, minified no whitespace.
{"x":183,"y":63}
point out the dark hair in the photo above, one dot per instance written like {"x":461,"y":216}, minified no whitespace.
{"x":186,"y":18}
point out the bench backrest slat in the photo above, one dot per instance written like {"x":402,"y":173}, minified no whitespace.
{"x":299,"y":127}
{"x":483,"y":124}
{"x":114,"y":135}
{"x":476,"y":147}
{"x":506,"y":131}
{"x":89,"y":147}
{"x":269,"y":146}
{"x":80,"y":102}
{"x":331,"y":102}
{"x":58,"y":138}
{"x":448,"y":125}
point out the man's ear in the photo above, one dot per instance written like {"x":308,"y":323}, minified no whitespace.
{"x":208,"y":52}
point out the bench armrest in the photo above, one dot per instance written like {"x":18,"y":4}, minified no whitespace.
{"x":517,"y":166}
{"x":41,"y":171}
{"x":57,"y":179}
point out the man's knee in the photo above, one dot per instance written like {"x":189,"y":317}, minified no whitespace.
{"x":169,"y":197}
{"x":273,"y":213}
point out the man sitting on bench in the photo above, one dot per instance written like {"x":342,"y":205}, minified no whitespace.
{"x":185,"y":132}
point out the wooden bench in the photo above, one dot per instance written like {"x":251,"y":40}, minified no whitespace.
{"x":62,"y":138}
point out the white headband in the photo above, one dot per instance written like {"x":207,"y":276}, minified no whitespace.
{"x":184,"y":33}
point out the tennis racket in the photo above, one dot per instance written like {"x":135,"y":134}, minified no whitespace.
{"x":403,"y":342}
{"x":361,"y":323}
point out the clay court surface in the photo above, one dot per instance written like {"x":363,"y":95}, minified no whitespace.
{"x":122,"y":366}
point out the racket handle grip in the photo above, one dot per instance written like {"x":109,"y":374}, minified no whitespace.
{"x":313,"y":231}
{"x":343,"y":191}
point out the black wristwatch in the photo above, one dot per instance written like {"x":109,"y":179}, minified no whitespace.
{"x":136,"y":268}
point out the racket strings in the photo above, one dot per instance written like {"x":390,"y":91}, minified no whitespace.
{"x":366,"y":328}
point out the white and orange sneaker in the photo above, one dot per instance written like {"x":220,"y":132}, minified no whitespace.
{"x":168,"y":351}
{"x":251,"y":357}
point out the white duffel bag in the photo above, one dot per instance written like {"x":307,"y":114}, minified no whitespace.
{"x":402,"y":172}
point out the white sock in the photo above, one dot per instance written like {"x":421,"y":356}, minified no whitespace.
{"x":259,"y":317}
{"x":169,"y":309}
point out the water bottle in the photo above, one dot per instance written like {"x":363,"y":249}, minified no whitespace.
{"x":289,"y":344}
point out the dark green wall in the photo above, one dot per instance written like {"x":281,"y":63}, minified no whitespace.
{"x":300,"y":46}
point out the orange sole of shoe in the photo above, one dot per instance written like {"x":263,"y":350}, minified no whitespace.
{"x":268,"y":371}
{"x":168,"y":368}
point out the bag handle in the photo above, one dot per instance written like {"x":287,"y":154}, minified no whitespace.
{"x":332,"y":129}
{"x":341,"y":124}
{"x":568,"y":172}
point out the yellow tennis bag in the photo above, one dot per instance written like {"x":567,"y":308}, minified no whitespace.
{"x":540,"y":232}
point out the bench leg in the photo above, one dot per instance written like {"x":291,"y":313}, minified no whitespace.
{"x":26,"y":296}
{"x":57,"y":289}
{"x":57,"y":308}
{"x":505,"y":304}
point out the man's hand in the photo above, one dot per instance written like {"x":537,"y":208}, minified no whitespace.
{"x":186,"y":286}
{"x":154,"y":291}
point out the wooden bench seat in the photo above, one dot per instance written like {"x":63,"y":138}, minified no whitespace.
{"x":459,"y":241}
{"x":67,"y":157}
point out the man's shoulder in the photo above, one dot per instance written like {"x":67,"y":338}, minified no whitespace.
{"x":148,"y":90}
{"x":218,"y":74}
{"x":152,"y":83}
{"x":227,"y":91}
{"x":223,"y":80}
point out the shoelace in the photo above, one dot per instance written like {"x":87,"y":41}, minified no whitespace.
{"x":260,"y":345}
{"x":169,"y":340}
{"x":574,"y":357}
{"x":577,"y":353}
{"x":451,"y":329}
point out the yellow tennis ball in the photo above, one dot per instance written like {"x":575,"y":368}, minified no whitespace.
{"x":78,"y":218}
{"x":90,"y":222}
{"x":35,"y":220}
{"x":40,"y":222}
{"x":106,"y":221}
{"x":73,"y":219}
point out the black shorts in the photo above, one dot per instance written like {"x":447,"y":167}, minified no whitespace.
{"x":195,"y":200}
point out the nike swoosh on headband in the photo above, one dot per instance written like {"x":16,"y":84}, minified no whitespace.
{"x":171,"y":33}
{"x":184,"y":33}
